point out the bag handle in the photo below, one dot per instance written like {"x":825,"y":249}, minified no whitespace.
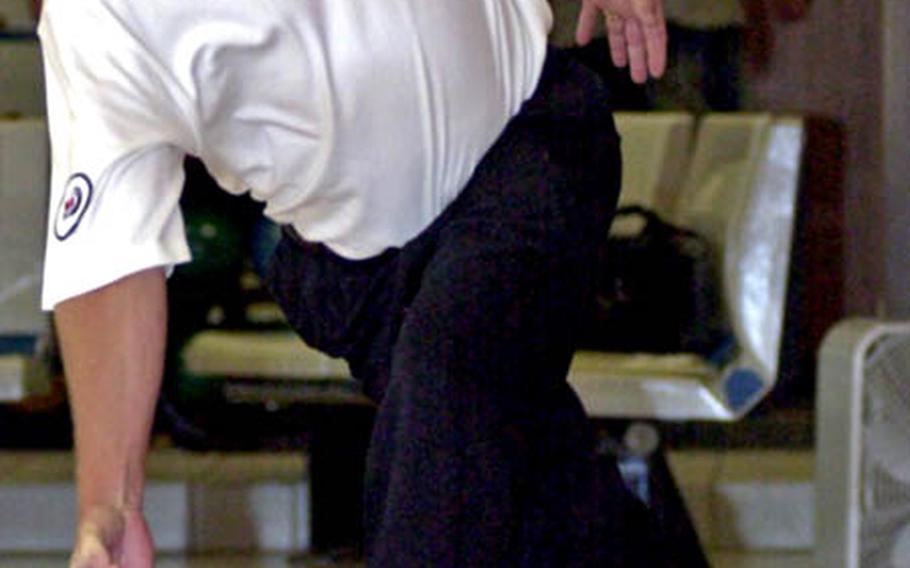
{"x":654,"y":223}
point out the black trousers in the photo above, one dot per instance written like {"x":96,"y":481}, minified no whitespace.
{"x":481,"y":453}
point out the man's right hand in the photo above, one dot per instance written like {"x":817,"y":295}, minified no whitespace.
{"x":111,"y":537}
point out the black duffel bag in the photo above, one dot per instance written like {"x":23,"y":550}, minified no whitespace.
{"x":657,"y":291}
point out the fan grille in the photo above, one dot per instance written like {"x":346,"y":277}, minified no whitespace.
{"x":886,"y":461}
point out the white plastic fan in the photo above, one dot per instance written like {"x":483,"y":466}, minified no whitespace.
{"x":863,"y":446}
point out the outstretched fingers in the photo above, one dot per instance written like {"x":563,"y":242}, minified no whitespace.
{"x":653,"y":29}
{"x":636,"y":33}
{"x":637,"y":51}
{"x":616,"y":37}
{"x":588,"y":20}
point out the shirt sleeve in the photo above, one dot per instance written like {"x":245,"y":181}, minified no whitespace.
{"x":118,"y":138}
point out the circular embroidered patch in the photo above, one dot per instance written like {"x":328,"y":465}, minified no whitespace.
{"x":75,"y":201}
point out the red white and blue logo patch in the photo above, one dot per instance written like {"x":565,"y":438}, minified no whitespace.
{"x":77,"y":196}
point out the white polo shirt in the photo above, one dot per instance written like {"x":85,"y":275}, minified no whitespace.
{"x":357,"y":121}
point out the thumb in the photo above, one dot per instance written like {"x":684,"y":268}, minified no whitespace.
{"x":99,"y":534}
{"x":90,"y":553}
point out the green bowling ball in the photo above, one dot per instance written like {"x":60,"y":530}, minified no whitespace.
{"x":217,"y":247}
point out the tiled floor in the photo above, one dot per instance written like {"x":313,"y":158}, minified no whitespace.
{"x":718,"y":560}
{"x":760,"y":500}
{"x":762,"y":560}
{"x":28,"y":561}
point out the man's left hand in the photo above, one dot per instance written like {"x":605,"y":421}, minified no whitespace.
{"x":636,"y":31}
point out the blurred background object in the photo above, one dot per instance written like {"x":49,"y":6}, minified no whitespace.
{"x":33,"y":410}
{"x":863,"y":449}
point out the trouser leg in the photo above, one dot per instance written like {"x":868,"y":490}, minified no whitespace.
{"x":478,"y":438}
{"x":481,"y":454}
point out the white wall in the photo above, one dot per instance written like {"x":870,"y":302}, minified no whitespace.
{"x":21,"y":78}
{"x":16,"y":13}
{"x":24,"y":160}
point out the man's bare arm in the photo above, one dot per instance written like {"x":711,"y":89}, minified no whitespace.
{"x":113,"y":349}
{"x":113,"y":342}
